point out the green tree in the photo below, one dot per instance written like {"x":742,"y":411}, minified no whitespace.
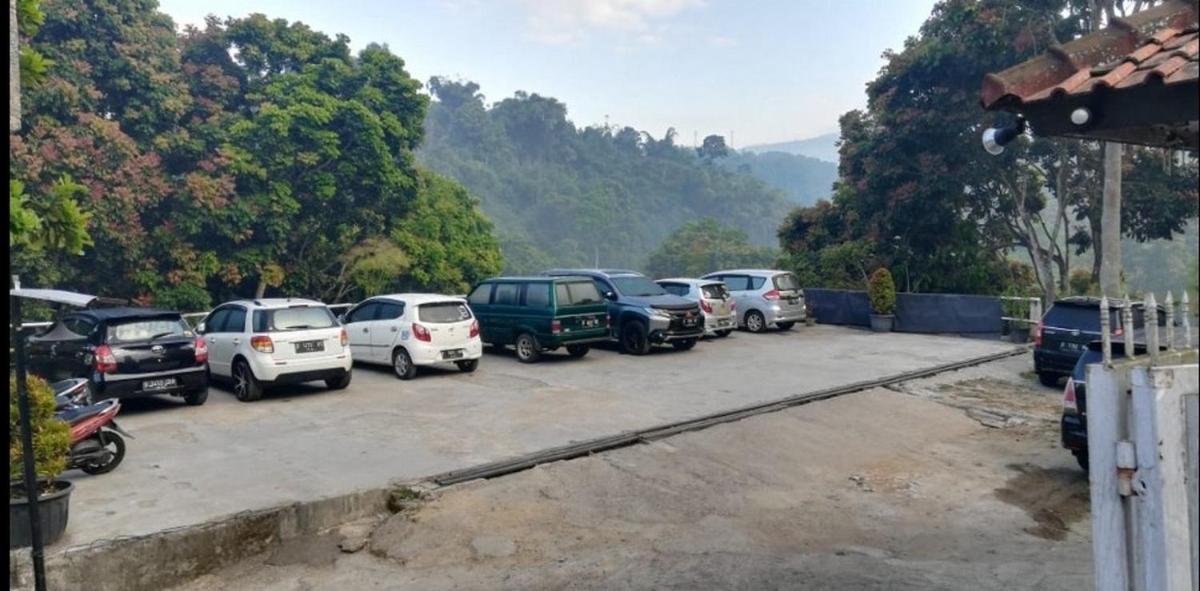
{"x":713,"y":148}
{"x":704,"y":246}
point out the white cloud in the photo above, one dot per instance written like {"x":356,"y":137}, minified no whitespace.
{"x":566,"y":21}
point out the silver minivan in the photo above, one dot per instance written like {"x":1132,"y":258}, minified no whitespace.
{"x":716,"y":302}
{"x":765,"y":297}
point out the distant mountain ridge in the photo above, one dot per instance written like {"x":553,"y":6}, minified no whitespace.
{"x":821,"y":147}
{"x":803,"y":179}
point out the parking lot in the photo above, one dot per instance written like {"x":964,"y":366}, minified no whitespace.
{"x":188,"y":465}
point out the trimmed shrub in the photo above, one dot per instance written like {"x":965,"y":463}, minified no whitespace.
{"x":51,"y":437}
{"x":881,"y":290}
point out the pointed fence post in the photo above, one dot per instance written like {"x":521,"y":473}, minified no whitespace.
{"x":1127,"y":327}
{"x":1169,"y":303}
{"x":1105,"y":331}
{"x":1150,"y":314}
{"x":1186,"y":312}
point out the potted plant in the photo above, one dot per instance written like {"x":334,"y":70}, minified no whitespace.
{"x":881,"y":291}
{"x":810,"y":314}
{"x":51,"y":448}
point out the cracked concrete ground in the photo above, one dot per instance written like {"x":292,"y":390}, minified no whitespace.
{"x":882,"y":489}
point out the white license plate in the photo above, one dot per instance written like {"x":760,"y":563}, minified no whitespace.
{"x":159,"y":384}
{"x":590,"y":323}
{"x":310,"y":346}
{"x":452,"y":354}
{"x":689,"y":322}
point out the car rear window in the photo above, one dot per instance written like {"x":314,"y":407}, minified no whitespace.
{"x":143,"y":330}
{"x":715,"y":291}
{"x":443,"y":312}
{"x":1084,"y":318}
{"x":298,"y":318}
{"x":786,"y":282}
{"x":577,"y":293}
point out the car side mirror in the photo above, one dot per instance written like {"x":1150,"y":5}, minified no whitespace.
{"x":608,"y":295}
{"x":200,"y":328}
{"x":341,"y":318}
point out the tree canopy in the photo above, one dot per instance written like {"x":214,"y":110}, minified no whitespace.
{"x":246,"y":156}
{"x":705,"y":246}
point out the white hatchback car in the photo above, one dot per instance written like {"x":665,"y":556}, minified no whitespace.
{"x":406,"y":330}
{"x":265,"y":342}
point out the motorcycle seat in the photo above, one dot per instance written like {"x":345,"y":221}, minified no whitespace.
{"x":72,"y":415}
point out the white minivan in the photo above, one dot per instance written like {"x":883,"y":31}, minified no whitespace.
{"x":406,"y":330}
{"x":264,"y":342}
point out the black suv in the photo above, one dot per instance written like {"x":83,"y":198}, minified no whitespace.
{"x":124,"y":353}
{"x":642,"y":313}
{"x":1067,"y":328}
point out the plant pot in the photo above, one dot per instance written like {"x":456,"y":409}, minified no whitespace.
{"x":882,"y":322}
{"x":52,"y":514}
{"x":1019,"y":334}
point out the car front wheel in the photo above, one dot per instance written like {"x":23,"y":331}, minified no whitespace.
{"x":634,"y":339}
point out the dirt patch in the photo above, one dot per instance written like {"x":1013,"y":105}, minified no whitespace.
{"x":321,"y":550}
{"x":1054,"y":498}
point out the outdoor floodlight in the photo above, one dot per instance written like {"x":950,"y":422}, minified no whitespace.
{"x":1081,"y":116}
{"x":995,"y":138}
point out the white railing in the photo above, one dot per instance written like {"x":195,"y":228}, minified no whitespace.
{"x":1142,"y":449}
{"x":1032,"y":304}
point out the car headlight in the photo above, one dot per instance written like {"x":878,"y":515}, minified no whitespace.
{"x":658,"y":313}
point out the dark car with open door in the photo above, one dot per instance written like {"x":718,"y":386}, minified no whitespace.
{"x":125,"y":353}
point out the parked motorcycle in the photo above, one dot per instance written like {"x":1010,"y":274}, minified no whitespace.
{"x":96,"y":443}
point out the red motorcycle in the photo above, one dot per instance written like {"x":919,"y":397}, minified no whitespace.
{"x":96,"y":443}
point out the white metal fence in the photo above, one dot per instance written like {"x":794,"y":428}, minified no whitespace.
{"x":1142,"y":432}
{"x":1030,"y":305}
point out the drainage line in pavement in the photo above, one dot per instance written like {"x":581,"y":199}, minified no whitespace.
{"x":583,"y":448}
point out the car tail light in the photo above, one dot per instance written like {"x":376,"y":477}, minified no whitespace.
{"x":1119,"y":332}
{"x":1037,"y":335}
{"x":733,"y":304}
{"x":421,"y":333}
{"x":1069,"y":397}
{"x":345,"y":338}
{"x":201,"y":350}
{"x":555,"y":327}
{"x":706,"y":307}
{"x":474,"y":328}
{"x":262,"y":344}
{"x":771,"y":295}
{"x":106,"y":362}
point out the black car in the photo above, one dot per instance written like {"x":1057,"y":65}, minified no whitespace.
{"x":124,"y":353}
{"x":1067,"y":328}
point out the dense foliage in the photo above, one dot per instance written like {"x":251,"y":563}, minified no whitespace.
{"x":51,"y":437}
{"x":918,"y":193}
{"x":565,"y":196}
{"x":705,"y":246}
{"x":247,"y":157}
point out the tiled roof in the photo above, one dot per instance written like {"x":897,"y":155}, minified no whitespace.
{"x":1156,"y":45}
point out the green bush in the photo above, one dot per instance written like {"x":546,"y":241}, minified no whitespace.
{"x":881,"y":290}
{"x":51,"y":437}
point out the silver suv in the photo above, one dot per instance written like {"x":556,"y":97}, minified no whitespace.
{"x":764,"y":297}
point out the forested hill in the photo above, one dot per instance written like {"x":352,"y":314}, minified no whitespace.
{"x":564,"y":196}
{"x":804,"y":180}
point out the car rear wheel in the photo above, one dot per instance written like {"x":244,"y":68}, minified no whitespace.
{"x":785,"y":325}
{"x":340,"y":382}
{"x":578,"y":351}
{"x":633,"y":338}
{"x":403,"y":365}
{"x":724,"y":333}
{"x":467,"y":365}
{"x":246,"y":387}
{"x":528,"y":350}
{"x":755,"y":321}
{"x":683,"y":345}
{"x":197,"y":397}
{"x":1048,"y":379}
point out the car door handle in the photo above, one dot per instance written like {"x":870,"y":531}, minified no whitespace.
{"x":394,"y":329}
{"x":366,"y":330}
{"x":237,"y":341}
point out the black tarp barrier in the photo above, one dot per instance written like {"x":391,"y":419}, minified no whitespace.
{"x":915,"y":312}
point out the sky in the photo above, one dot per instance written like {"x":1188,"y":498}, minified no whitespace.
{"x":755,"y":72}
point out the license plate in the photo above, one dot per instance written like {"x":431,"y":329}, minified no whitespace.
{"x":159,"y":384}
{"x":590,"y":323}
{"x":452,"y":354}
{"x":689,"y":322}
{"x":1072,"y":347}
{"x":310,"y":346}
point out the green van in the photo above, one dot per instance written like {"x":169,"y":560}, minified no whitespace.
{"x":535,"y":314}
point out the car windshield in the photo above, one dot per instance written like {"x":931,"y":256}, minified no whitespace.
{"x":298,"y":318}
{"x":786,"y":282}
{"x":443,"y":312}
{"x":145,"y":330}
{"x":577,"y":293}
{"x":637,"y":285}
{"x":716,"y":291}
